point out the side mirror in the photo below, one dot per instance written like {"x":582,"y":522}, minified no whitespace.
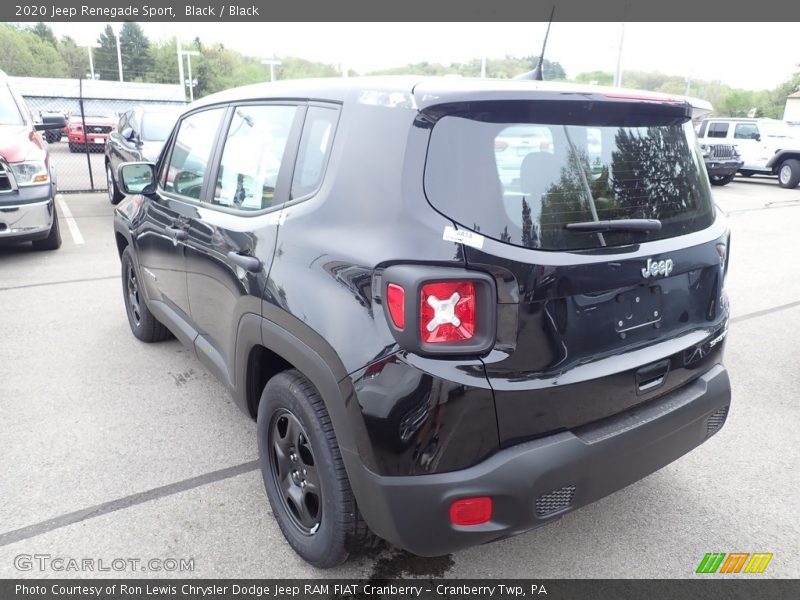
{"x":137,"y":177}
{"x":54,"y":122}
{"x":757,"y":137}
{"x":128,"y":134}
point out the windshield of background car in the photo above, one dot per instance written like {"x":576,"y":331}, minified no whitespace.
{"x":156,"y":126}
{"x":521,"y":183}
{"x":9,"y":111}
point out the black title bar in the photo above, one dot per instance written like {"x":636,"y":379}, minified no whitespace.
{"x":404,"y":10}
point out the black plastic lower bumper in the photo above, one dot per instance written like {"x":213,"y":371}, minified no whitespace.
{"x":538,"y":481}
{"x":722,"y":168}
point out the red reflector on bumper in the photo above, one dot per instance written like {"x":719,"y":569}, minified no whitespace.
{"x":471,"y":511}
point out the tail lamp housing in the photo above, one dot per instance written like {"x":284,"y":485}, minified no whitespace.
{"x":440,"y":310}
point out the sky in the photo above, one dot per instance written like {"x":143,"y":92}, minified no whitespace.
{"x":744,"y":55}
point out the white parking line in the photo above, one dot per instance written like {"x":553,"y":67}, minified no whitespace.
{"x":72,"y":225}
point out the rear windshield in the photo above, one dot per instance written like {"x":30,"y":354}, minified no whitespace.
{"x":521,"y":183}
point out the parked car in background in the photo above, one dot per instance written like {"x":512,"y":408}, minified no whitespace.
{"x":433,"y":356}
{"x":722,"y":162}
{"x":27,"y":179}
{"x":767,"y":146}
{"x":139,"y":136}
{"x":53,"y":135}
{"x":98,"y":126}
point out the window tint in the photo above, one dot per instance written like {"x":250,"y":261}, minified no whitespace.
{"x":481,"y":174}
{"x":745,"y":131}
{"x":315,"y":144}
{"x":251,"y":159}
{"x":718,"y":130}
{"x":191,"y":151}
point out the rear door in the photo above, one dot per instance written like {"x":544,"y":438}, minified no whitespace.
{"x":232,"y":235}
{"x":752,"y":145}
{"x":590,"y":323}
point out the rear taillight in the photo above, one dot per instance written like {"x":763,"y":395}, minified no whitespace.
{"x":434,"y":310}
{"x":447,"y":312}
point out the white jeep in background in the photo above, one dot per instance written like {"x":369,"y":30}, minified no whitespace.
{"x":767,"y":146}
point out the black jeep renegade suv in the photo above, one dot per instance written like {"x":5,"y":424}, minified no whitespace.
{"x":457,"y":309}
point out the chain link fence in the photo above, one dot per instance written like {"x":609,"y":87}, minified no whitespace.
{"x":78,"y":151}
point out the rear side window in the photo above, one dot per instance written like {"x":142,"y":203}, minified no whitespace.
{"x":745,"y":131}
{"x":521,"y":183}
{"x":191,"y":151}
{"x":718,"y":130}
{"x":312,"y":156}
{"x":252,"y":156}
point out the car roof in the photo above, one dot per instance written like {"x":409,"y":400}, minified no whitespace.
{"x":421,"y":91}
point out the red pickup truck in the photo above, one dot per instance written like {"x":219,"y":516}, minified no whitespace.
{"x":27,"y":179}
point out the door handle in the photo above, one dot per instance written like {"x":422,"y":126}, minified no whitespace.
{"x":245,"y":261}
{"x":177,"y":233}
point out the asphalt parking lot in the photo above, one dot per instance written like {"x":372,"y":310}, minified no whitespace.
{"x":110,"y":448}
{"x":72,"y":170}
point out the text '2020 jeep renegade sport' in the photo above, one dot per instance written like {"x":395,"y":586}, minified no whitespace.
{"x":437,"y":355}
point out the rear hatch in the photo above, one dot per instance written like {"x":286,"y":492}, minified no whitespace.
{"x":592,"y":319}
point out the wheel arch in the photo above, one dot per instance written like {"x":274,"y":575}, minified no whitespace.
{"x":264,"y":349}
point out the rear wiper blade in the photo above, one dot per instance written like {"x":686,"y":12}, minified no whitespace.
{"x":617,"y":225}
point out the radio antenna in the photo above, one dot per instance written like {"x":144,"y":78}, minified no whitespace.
{"x":536,"y":74}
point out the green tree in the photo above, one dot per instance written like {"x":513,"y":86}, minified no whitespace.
{"x":136,"y":59}
{"x":105,"y":55}
{"x":75,"y":57}
{"x":44,"y":33}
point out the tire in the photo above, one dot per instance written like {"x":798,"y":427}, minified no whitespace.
{"x":53,"y":239}
{"x":789,"y":173}
{"x":114,"y":195}
{"x":73,"y":147}
{"x":304,"y":475}
{"x":143,"y":324}
{"x":721,"y":179}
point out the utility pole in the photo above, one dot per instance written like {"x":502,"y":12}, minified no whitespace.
{"x":618,"y":76}
{"x":119,"y":54}
{"x":180,"y":65}
{"x":190,"y":82}
{"x":272,"y":62}
{"x":91,"y":60}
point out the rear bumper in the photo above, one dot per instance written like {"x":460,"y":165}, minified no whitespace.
{"x":536,"y":482}
{"x":29,"y":217}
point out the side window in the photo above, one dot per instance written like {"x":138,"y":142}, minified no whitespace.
{"x":312,"y":155}
{"x":191,"y":150}
{"x":251,"y":159}
{"x":745,"y":131}
{"x":718,"y":130}
{"x":123,"y":122}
